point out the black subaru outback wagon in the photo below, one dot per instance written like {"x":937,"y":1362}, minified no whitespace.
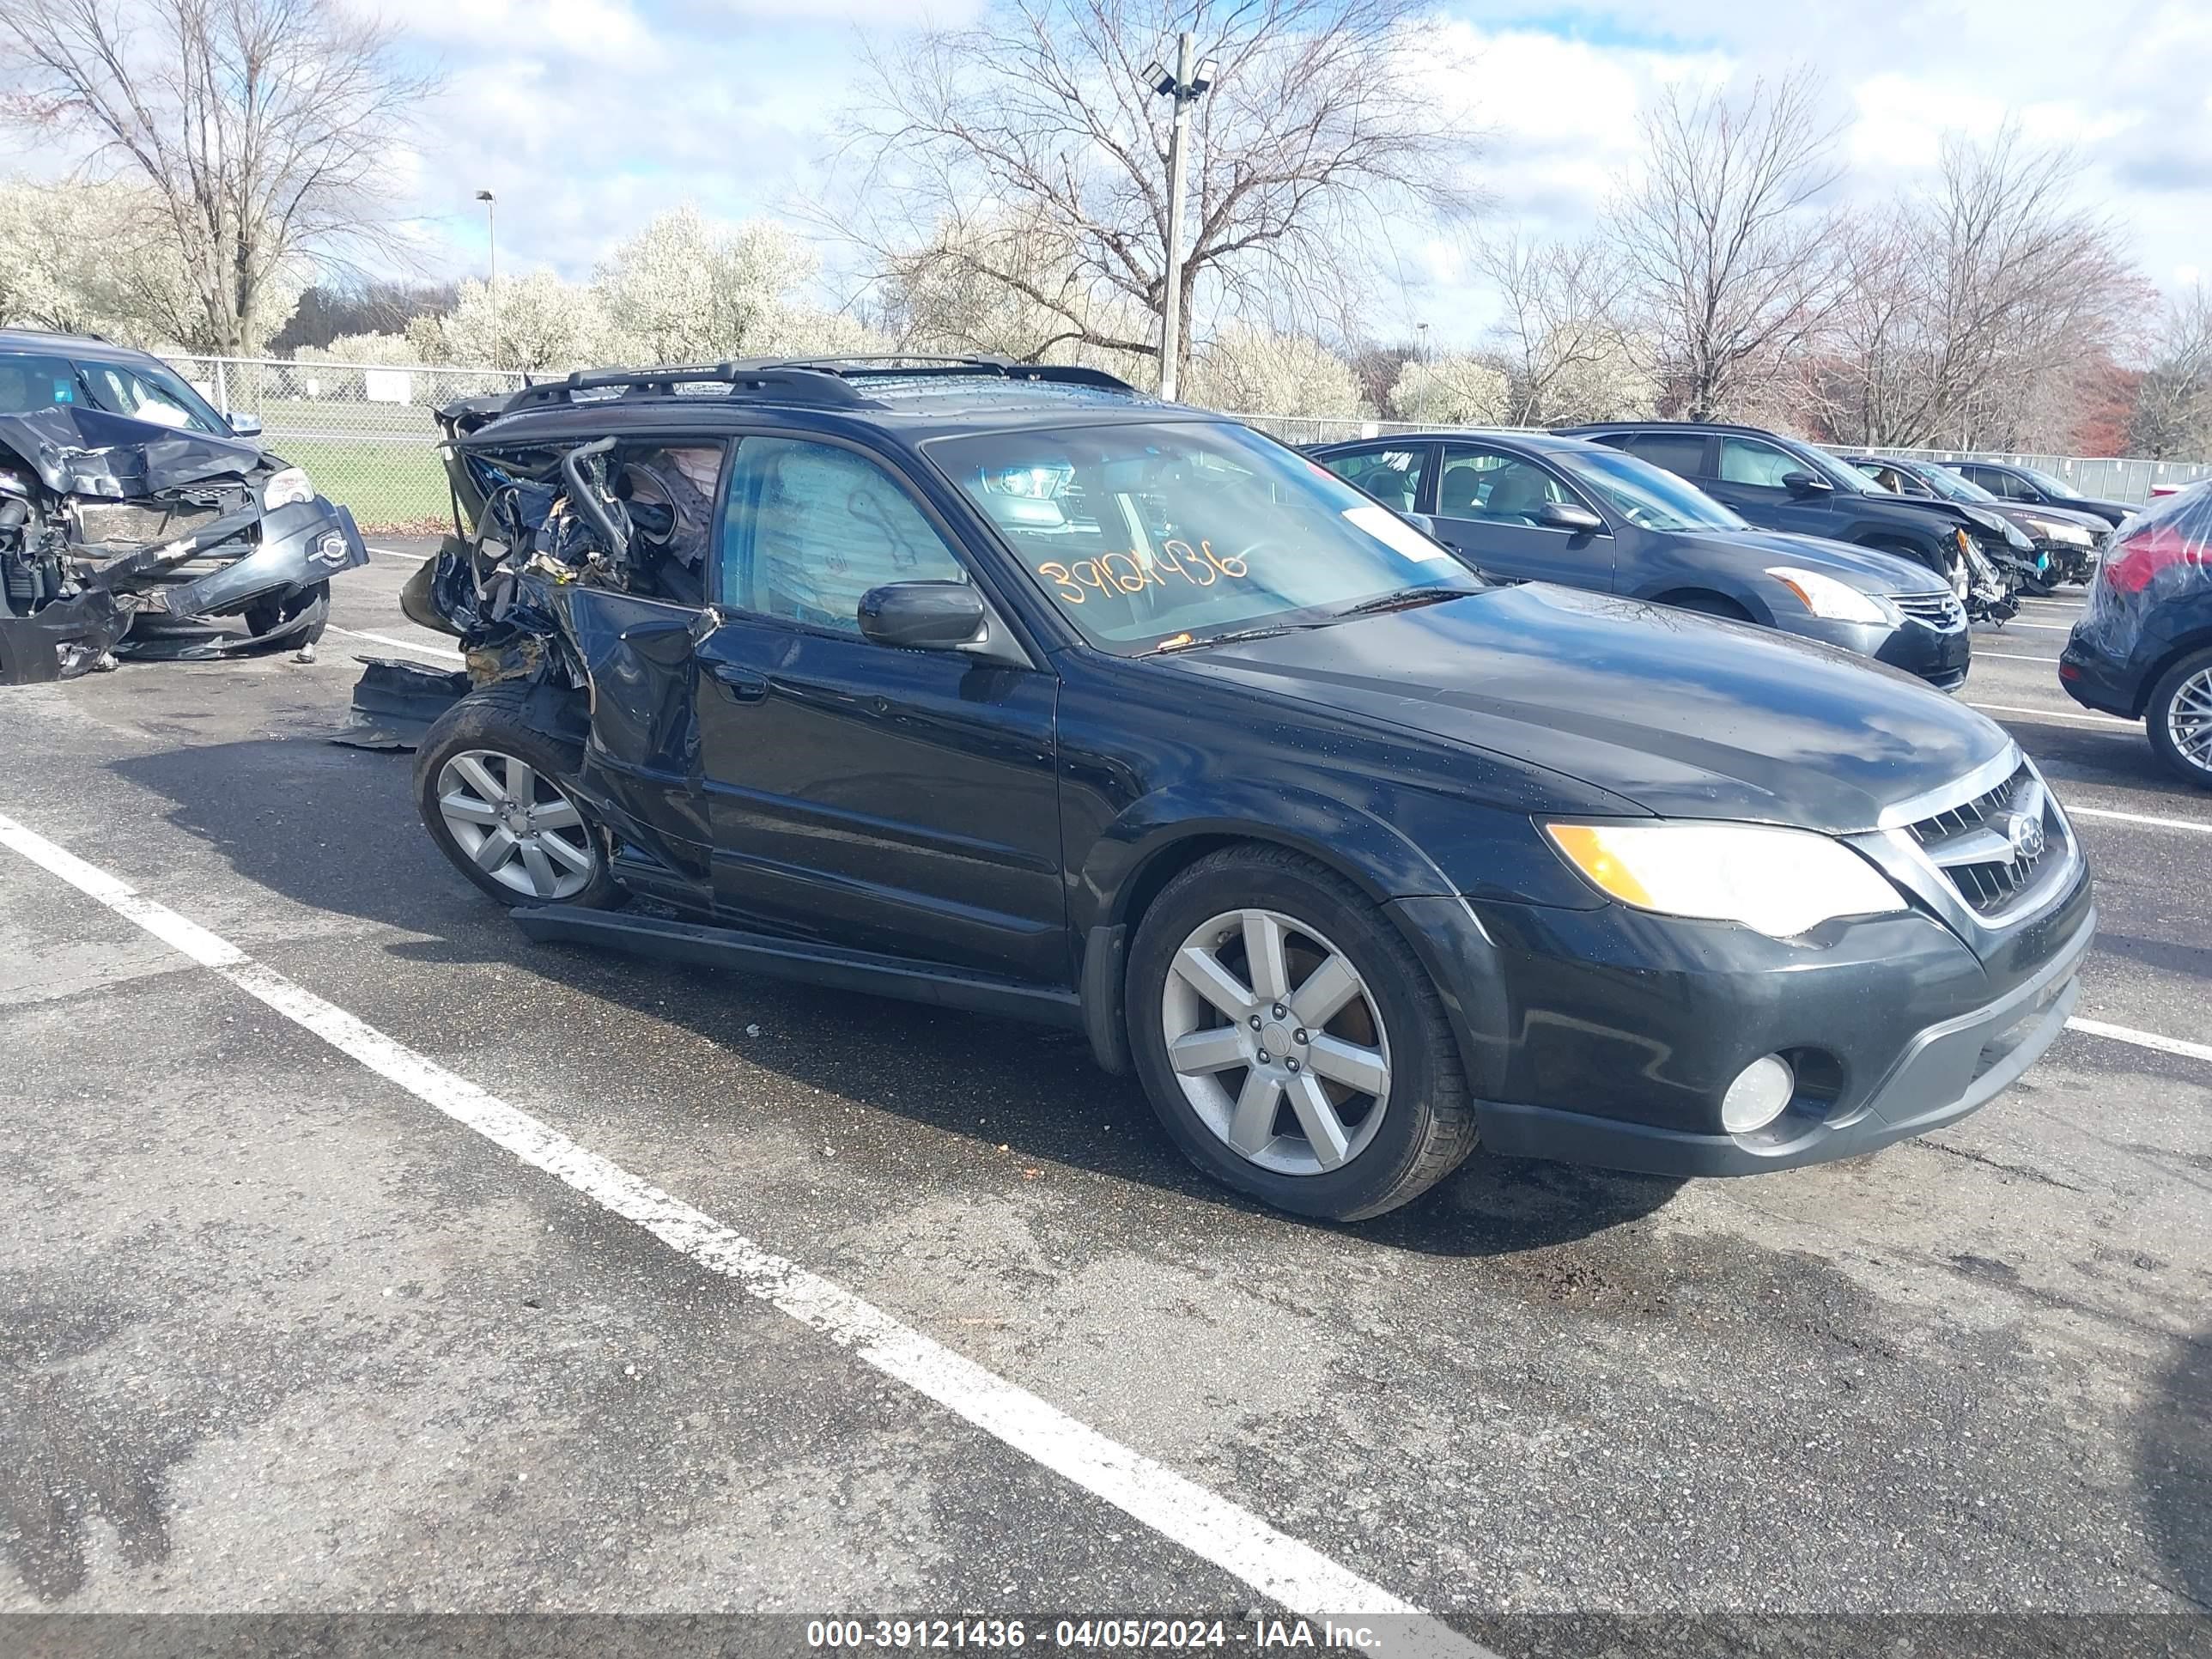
{"x":1007,"y":689}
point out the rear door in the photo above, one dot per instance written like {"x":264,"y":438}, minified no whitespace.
{"x":1685,"y":454}
{"x":902,"y":801}
{"x":1488,"y":502}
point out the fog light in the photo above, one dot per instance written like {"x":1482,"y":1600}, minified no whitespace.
{"x":1757,"y":1096}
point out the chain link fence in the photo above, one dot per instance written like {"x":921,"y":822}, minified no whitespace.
{"x":365,"y":434}
{"x":363,"y":431}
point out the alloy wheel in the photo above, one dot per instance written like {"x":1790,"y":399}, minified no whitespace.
{"x":2189,"y":720}
{"x":516,"y":824}
{"x":1277,"y":1041}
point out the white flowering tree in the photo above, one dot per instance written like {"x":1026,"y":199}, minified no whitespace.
{"x":1452,"y":391}
{"x":1256,"y":371}
{"x":97,"y":257}
{"x":683,"y":291}
{"x":535,"y":322}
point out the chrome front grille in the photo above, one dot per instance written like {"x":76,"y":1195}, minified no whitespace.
{"x":1937,"y":610}
{"x":2000,"y":850}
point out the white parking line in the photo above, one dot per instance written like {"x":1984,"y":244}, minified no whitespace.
{"x":2165,"y":1045}
{"x":2041,"y":628}
{"x":443,"y":653}
{"x":395,"y":553}
{"x":2073,"y":811}
{"x":1211,"y":1527}
{"x":2013,"y":656}
{"x":2104,"y":720}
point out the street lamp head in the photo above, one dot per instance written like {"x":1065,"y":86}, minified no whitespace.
{"x":1160,"y":78}
{"x":486,"y":196}
{"x":1207,"y":74}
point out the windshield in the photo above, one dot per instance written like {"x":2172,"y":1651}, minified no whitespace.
{"x":144,"y":391}
{"x":1949,"y":485}
{"x":2044,"y":482}
{"x":1649,"y":497}
{"x":1168,"y":533}
{"x":148,"y":392}
{"x":1847,"y":479}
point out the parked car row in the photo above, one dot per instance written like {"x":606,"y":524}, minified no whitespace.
{"x":1006,"y":688}
{"x":2064,"y":542}
{"x":1553,"y":507}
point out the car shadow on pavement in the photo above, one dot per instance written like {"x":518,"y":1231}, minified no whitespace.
{"x":334,"y":830}
{"x":2173,"y":1466}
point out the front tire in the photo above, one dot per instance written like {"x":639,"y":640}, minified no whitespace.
{"x":2179,"y":713}
{"x":493,"y":790}
{"x":1290,"y":1040}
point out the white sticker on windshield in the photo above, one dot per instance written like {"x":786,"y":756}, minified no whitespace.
{"x":1394,"y":533}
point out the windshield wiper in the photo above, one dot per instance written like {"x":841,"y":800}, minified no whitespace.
{"x":1405,"y":599}
{"x":1185,"y":641}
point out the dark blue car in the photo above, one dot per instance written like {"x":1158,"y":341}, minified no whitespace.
{"x":1537,"y":506}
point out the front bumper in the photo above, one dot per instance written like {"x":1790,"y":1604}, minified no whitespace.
{"x":1940,"y":656}
{"x":1608,"y":1036}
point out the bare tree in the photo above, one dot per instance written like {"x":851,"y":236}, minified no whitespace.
{"x":1560,"y":336}
{"x":2174,"y":410}
{"x":261,"y":132}
{"x":1973,"y":312}
{"x":1315,"y":133}
{"x":1728,"y":272}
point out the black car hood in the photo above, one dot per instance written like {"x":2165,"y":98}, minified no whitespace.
{"x":80,"y":451}
{"x":1867,"y":568}
{"x":1682,"y":714}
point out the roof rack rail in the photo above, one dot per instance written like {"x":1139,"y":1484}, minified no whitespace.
{"x":832,"y":381}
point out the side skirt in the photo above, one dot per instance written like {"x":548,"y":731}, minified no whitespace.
{"x":700,"y":945}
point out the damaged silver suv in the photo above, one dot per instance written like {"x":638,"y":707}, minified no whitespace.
{"x":136,"y":522}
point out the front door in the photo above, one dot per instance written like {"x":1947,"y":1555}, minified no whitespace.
{"x":894,"y":800}
{"x":1750,"y":481}
{"x":1488,"y":504}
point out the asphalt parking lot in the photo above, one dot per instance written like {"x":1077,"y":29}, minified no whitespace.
{"x":290,"y":1324}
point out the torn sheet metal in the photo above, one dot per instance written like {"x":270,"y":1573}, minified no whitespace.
{"x":395,"y":703}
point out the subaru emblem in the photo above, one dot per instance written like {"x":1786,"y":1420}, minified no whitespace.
{"x":2025,"y":835}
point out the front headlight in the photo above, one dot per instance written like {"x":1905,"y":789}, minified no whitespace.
{"x":2067,"y":535}
{"x":1823,"y":596}
{"x":1780,"y":882}
{"x":286,"y":486}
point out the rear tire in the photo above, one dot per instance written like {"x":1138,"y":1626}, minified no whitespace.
{"x":494,"y":790}
{"x":1358,"y":1115}
{"x":2178,"y":715}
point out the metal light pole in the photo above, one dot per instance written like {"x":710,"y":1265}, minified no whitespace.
{"x":491,"y":241}
{"x":1189,"y":80}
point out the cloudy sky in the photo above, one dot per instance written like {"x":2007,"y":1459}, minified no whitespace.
{"x":587,"y":115}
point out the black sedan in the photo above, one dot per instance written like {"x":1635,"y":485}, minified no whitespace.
{"x":2031,"y":486}
{"x":1006,"y":688}
{"x":1535,"y":507}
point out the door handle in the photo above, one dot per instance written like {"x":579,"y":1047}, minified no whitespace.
{"x":744,"y":684}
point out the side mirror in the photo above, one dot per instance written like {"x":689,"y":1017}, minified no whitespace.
{"x":1569,"y":516}
{"x":241,"y":425}
{"x":1805,"y":483}
{"x":1422,"y":522}
{"x":923,"y":616}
